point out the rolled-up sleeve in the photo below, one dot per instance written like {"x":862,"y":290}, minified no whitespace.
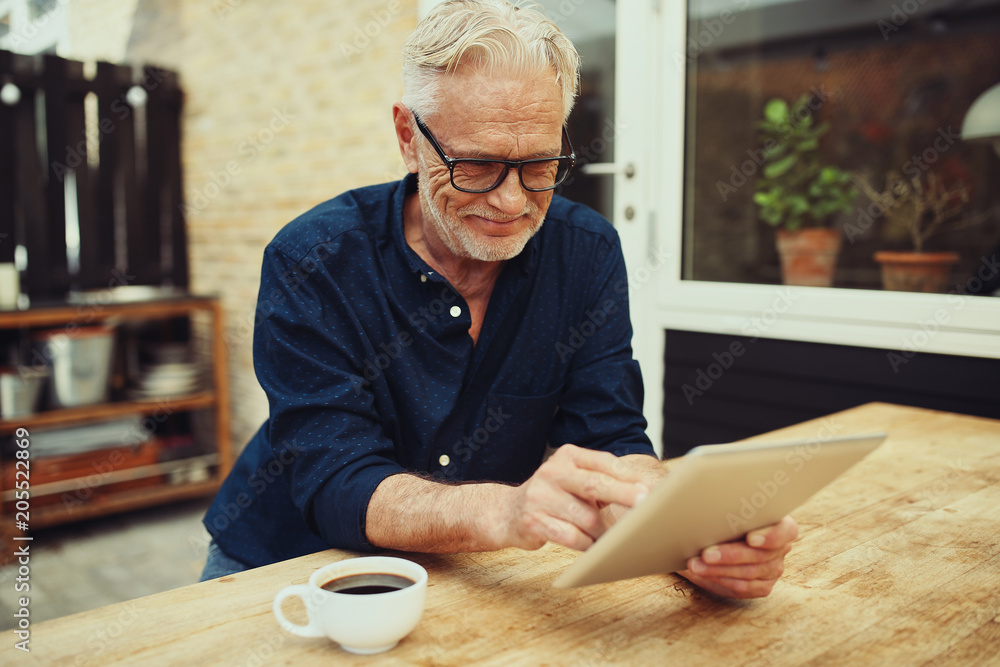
{"x":309,"y":346}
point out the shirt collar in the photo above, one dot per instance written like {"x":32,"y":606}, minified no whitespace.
{"x":406,"y":187}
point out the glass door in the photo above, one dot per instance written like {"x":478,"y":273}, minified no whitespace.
{"x":613,"y":132}
{"x":591,"y":124}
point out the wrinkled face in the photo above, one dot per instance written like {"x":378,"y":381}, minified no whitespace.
{"x":492,"y":118}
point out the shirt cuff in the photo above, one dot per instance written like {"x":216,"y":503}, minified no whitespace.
{"x":341,"y":506}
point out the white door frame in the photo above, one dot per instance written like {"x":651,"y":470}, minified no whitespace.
{"x":640,"y":132}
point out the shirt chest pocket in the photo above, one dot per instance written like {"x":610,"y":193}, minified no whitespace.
{"x":509,"y":443}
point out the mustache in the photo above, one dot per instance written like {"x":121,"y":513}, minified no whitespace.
{"x":530,"y":210}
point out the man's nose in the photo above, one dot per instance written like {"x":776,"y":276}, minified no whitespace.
{"x":509,"y":196}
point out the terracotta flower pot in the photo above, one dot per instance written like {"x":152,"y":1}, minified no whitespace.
{"x":808,"y":256}
{"x":916,"y":271}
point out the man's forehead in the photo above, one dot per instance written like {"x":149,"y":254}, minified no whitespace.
{"x":473,"y":94}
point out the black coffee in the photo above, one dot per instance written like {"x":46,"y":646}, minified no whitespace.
{"x":368,"y":583}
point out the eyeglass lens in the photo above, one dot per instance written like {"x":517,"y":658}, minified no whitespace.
{"x":482,"y":175}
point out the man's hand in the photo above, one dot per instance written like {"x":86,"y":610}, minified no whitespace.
{"x":745,"y":569}
{"x":569,"y":500}
{"x":562,"y":501}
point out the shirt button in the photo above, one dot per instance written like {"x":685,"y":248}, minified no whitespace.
{"x":455,"y":311}
{"x":444,"y":460}
{"x":423,"y":278}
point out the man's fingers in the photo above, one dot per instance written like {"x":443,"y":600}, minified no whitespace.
{"x":774,"y":536}
{"x":742,"y":589}
{"x":760,"y":545}
{"x":581,"y":515}
{"x":566,"y":533}
{"x":738,"y":553}
{"x":597,"y":477}
{"x":548,"y":506}
{"x":600,"y":489}
{"x":769,"y":569}
{"x":603,"y":462}
{"x":748,"y":568}
{"x":563,"y":501}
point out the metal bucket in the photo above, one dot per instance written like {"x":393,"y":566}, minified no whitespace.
{"x":20,"y":389}
{"x":80,"y":365}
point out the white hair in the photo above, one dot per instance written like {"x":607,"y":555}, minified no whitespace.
{"x":493,"y":36}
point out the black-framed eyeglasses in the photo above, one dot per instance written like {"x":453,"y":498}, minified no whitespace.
{"x":478,"y":175}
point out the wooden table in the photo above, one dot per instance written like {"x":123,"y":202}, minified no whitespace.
{"x":897,"y":564}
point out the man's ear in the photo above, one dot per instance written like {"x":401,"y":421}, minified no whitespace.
{"x":402,"y":119}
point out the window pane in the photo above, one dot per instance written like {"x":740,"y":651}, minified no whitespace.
{"x":883,"y":89}
{"x":591,"y":27}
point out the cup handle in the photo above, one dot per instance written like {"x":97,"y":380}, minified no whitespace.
{"x":303,"y":592}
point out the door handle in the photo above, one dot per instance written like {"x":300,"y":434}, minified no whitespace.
{"x":597,"y":168}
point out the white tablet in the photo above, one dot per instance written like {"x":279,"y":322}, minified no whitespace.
{"x":715,"y":493}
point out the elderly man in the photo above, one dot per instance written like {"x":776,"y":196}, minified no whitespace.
{"x":422,"y":342}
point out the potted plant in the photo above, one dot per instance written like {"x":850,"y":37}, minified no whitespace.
{"x":924,"y":208}
{"x":799,"y":195}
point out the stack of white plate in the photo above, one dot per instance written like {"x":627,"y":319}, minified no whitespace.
{"x":89,"y":437}
{"x":168,"y":373}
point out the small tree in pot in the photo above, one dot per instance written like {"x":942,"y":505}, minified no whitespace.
{"x":799,"y":195}
{"x":924,"y":207}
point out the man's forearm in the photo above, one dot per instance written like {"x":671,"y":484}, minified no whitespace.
{"x":410,"y":513}
{"x":561,"y":503}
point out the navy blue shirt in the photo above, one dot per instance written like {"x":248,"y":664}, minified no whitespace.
{"x":369,"y":369}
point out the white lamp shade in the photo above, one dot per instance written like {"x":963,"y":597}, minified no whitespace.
{"x":982,"y":122}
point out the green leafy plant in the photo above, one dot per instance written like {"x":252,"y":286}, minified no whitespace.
{"x":795,"y":189}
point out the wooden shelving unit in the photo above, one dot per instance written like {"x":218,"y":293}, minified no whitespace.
{"x":142,"y":484}
{"x":105,"y":411}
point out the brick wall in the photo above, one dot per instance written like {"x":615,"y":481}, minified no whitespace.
{"x":286,"y":105}
{"x":98,"y":29}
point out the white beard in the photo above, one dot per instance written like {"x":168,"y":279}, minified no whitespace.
{"x":463,"y":242}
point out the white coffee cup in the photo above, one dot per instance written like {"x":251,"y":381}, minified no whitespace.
{"x":361,"y":622}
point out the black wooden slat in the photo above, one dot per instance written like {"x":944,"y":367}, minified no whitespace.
{"x":740,"y":412}
{"x":779,"y":383}
{"x":172,"y":188}
{"x":783,"y":390}
{"x":76,"y":156}
{"x":98,"y":242}
{"x":31,"y":203}
{"x":842,"y":364}
{"x":8,"y":169}
{"x":788,"y":390}
{"x":680,"y":436}
{"x":46,"y":237}
{"x":129,"y":207}
{"x":157,"y":148}
{"x":142,"y":237}
{"x":96,"y":239}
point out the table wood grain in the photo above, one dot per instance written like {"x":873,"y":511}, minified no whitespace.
{"x":897,"y":563}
